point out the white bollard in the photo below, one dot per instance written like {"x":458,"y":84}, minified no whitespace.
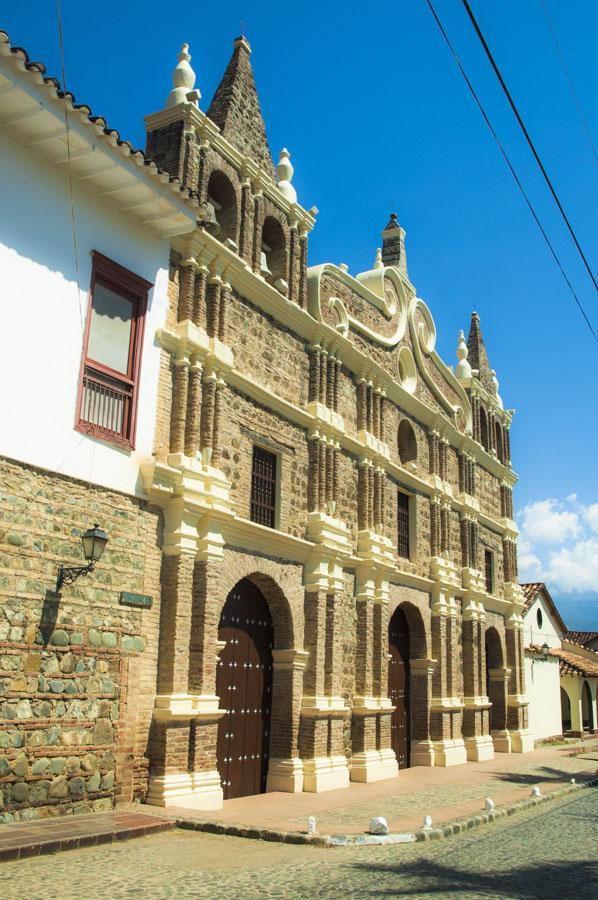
{"x":536,"y":791}
{"x":378,"y":825}
{"x":427,"y":822}
{"x":573,"y":781}
{"x":311,"y":825}
{"x":489,"y":803}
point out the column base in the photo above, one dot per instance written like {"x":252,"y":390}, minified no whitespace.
{"x":422,"y":754}
{"x":285,"y":775}
{"x":501,"y":741}
{"x":374,"y":765}
{"x":201,"y":790}
{"x":450,"y":752}
{"x":479,"y":747}
{"x":325,"y":773}
{"x":521,"y":742}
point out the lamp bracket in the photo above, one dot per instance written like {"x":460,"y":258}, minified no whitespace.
{"x":69,"y":574}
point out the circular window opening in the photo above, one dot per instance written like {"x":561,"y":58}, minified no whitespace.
{"x":539,"y":618}
{"x":406,"y":370}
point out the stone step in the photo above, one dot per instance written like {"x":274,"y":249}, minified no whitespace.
{"x":70,"y":832}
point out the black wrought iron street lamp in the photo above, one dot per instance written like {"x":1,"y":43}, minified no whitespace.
{"x":545,"y":650}
{"x":94,"y":543}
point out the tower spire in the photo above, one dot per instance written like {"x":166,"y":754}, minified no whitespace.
{"x":235,"y":108}
{"x":478,"y":357}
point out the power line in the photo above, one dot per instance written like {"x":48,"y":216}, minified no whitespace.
{"x":568,"y":77}
{"x":527,"y":137}
{"x":510,"y":165}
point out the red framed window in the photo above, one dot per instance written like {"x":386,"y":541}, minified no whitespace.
{"x":112,"y":345}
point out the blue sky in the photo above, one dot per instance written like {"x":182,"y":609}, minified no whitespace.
{"x":377,"y":118}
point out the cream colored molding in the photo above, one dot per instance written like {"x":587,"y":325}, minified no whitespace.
{"x":479,"y":748}
{"x":445,"y":573}
{"x":319,"y":706}
{"x":373,"y":548}
{"x":379,"y":449}
{"x":323,"y":414}
{"x":446,"y":704}
{"x":294,"y":660}
{"x":374,"y":765}
{"x":522,"y":741}
{"x":239,"y":532}
{"x":423,"y":666}
{"x":176,"y":707}
{"x":285,"y":775}
{"x":501,"y":674}
{"x":325,"y":773}
{"x":450,"y":752}
{"x":371,"y":706}
{"x":370,"y":286}
{"x":324,"y":572}
{"x":195,"y":497}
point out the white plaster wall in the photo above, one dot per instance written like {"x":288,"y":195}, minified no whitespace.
{"x":543,"y":689}
{"x":549,"y":633}
{"x":42,"y":312}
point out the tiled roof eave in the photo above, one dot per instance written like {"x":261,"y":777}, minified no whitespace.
{"x":178,"y":204}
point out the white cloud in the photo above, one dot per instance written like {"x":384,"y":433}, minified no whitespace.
{"x":575,"y":569}
{"x":591,"y":516}
{"x":544,"y":521}
{"x":570,"y":567}
{"x":530,"y":567}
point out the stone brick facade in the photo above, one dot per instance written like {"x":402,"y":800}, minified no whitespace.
{"x":338,"y":378}
{"x":77,"y":670}
{"x":391,"y":497}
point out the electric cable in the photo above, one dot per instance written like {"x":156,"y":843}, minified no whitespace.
{"x":505,"y":89}
{"x":510,"y":166}
{"x":568,"y":77}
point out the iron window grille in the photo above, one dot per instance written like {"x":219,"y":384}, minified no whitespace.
{"x":263,"y":487}
{"x":403,"y":547}
{"x":489,"y":570}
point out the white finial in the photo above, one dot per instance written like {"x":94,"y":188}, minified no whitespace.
{"x":183,"y":79}
{"x":378,"y":825}
{"x":311,"y":825}
{"x":285,"y":171}
{"x":343,"y":267}
{"x":536,"y":791}
{"x":427,"y":822}
{"x":378,"y":264}
{"x":462,"y":369}
{"x":495,"y":383}
{"x":489,"y":804}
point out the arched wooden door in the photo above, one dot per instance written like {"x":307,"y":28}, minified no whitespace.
{"x":244,"y":686}
{"x":398,"y":687}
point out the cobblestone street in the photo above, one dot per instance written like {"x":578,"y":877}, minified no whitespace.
{"x":549,"y":852}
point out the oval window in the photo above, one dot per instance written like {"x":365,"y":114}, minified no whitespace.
{"x":539,"y":618}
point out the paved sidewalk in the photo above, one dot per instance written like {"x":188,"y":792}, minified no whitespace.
{"x":70,"y":832}
{"x":445,"y":794}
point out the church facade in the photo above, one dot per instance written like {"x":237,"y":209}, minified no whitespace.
{"x":311,"y":571}
{"x":340,"y":594}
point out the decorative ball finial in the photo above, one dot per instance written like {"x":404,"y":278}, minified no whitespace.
{"x":378,"y":264}
{"x":183,"y":78}
{"x":463,"y":368}
{"x":284,"y":172}
{"x":495,"y":383}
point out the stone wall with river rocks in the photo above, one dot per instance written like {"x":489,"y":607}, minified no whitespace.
{"x":77,"y":671}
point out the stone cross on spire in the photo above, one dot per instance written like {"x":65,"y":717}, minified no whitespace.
{"x":236,"y":110}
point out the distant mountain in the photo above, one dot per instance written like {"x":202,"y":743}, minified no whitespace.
{"x":579,"y":615}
